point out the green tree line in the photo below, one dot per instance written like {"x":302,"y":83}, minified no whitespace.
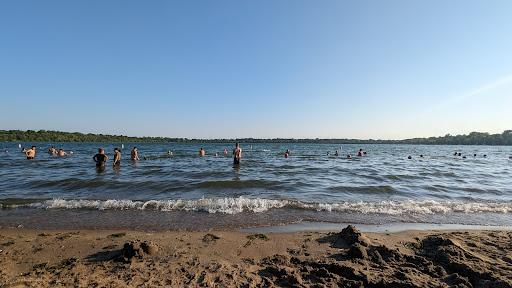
{"x":473,"y":138}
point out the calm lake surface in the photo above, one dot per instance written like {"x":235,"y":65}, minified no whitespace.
{"x":185,"y":191}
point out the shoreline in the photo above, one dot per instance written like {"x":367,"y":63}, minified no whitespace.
{"x":347,"y":258}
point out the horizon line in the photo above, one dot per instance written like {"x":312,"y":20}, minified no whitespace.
{"x":259,"y":138}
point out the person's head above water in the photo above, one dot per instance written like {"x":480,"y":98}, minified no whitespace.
{"x":409,"y":157}
{"x":101,"y":150}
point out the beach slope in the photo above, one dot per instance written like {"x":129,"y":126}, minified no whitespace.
{"x":349,"y":258}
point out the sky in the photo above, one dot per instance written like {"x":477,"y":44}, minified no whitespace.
{"x":264,"y":69}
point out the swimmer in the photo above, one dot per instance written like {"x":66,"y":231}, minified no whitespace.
{"x":455,"y":154}
{"x":100,"y":158}
{"x":474,"y":155}
{"x":349,"y":156}
{"x":134,"y":154}
{"x":62,"y":153}
{"x":409,"y":157}
{"x":421,"y":155}
{"x":485,"y":155}
{"x":117,"y":157}
{"x":202,"y":153}
{"x":460,"y":154}
{"x":52,"y":151}
{"x":364,"y":153}
{"x":169,"y":153}
{"x":237,"y":154}
{"x":225,"y":151}
{"x":328,"y":153}
{"x":336,"y":153}
{"x":360,"y":153}
{"x":463,"y":157}
{"x":30,"y":153}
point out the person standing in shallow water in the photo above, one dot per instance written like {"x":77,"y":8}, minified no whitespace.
{"x":237,"y":154}
{"x":134,"y":155}
{"x":202,"y":153}
{"x":117,"y":157}
{"x":30,"y":153}
{"x":100,"y":159}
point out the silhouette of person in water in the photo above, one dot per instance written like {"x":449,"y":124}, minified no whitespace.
{"x":360,"y":153}
{"x":336,"y":153}
{"x":117,"y":157}
{"x":100,"y":160}
{"x":134,"y":154}
{"x":202,"y":153}
{"x":237,"y":154}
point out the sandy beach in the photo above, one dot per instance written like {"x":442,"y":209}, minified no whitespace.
{"x":348,"y":258}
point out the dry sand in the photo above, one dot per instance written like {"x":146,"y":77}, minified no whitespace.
{"x":88,"y":258}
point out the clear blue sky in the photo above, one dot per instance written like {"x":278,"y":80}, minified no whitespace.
{"x":280,"y":68}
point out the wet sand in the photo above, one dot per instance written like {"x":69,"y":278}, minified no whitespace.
{"x":349,"y":258}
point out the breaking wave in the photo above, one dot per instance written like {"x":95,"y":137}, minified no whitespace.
{"x":258,"y":205}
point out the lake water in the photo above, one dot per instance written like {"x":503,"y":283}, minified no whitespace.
{"x":185,"y":191}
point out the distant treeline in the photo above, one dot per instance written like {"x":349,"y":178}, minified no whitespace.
{"x":473,"y":138}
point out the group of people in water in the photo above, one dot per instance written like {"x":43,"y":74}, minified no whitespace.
{"x":101,"y":158}
{"x":58,"y":152}
{"x":30,"y":153}
{"x":360,"y":153}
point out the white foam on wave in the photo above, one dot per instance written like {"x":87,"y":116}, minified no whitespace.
{"x":213,"y":205}
{"x":241,"y":204}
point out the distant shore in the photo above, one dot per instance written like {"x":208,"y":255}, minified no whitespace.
{"x":473,"y":138}
{"x":346,"y":258}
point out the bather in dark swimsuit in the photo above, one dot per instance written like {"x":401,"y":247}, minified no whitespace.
{"x":100,"y":159}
